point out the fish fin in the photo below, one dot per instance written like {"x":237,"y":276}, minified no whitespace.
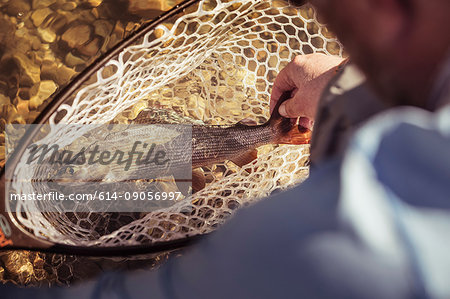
{"x":286,"y":131}
{"x":183,"y":187}
{"x":198,"y":180}
{"x":295,"y":135}
{"x":245,"y":158}
{"x":248,"y":122}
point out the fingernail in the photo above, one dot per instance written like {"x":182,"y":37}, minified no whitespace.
{"x":282,"y":110}
{"x":305,"y":122}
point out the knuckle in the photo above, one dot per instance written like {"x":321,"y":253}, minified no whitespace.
{"x":291,"y":109}
{"x":299,"y":59}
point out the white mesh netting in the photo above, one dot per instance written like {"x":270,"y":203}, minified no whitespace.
{"x":214,"y":62}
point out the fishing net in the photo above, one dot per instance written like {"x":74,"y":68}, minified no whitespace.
{"x":215,"y":63}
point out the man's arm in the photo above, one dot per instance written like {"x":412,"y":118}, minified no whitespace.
{"x":291,"y":245}
{"x":307,"y":77}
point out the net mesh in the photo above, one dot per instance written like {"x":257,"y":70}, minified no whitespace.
{"x":214,"y":63}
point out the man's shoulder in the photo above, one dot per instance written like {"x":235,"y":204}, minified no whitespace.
{"x":395,"y":190}
{"x":405,"y":149}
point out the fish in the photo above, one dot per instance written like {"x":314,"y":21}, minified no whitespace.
{"x":215,"y":143}
{"x":210,"y":144}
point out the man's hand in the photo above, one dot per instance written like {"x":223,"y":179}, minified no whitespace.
{"x":306,"y":76}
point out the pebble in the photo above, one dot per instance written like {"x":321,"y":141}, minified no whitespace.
{"x":103,"y":28}
{"x":86,"y":15}
{"x":148,"y":9}
{"x":42,"y":3}
{"x":47,"y":35}
{"x":48,"y":69}
{"x":47,"y":53}
{"x":64,"y":74}
{"x":9,"y":111}
{"x":39,"y":16}
{"x":29,"y":70}
{"x":91,"y":48}
{"x":57,"y":23}
{"x":116,"y":36}
{"x":29,"y":23}
{"x":136,"y":109}
{"x":7,"y":29}
{"x":94,"y":3}
{"x":24,"y":269}
{"x":3,"y":87}
{"x":119,"y":30}
{"x":2,"y":164}
{"x":26,"y":93}
{"x":61,"y":74}
{"x":22,"y":107}
{"x":17,"y":8}
{"x":77,"y":35}
{"x":46,"y":89}
{"x":131,"y":26}
{"x":23,"y":45}
{"x":68,"y":6}
{"x":72,"y":60}
{"x":95,"y":13}
{"x":4,"y":100}
{"x":69,"y":16}
{"x":21,"y":31}
{"x":35,"y":43}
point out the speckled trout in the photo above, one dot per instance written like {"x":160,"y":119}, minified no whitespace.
{"x":215,"y":144}
{"x":209,"y":145}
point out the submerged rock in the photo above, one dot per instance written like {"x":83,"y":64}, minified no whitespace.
{"x":39,"y":16}
{"x":77,"y":35}
{"x":72,"y":60}
{"x":47,"y":35}
{"x":4,"y":100}
{"x":91,"y":48}
{"x":46,"y":89}
{"x":17,"y":8}
{"x":30,"y":72}
{"x":69,"y":6}
{"x":147,"y":9}
{"x":42,"y":3}
{"x":64,"y":74}
{"x":103,"y":28}
{"x":22,"y":107}
{"x":95,"y":3}
{"x":26,"y":93}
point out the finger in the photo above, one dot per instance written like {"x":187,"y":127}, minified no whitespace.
{"x":291,"y":108}
{"x":283,"y":82}
{"x":298,"y":106}
{"x":306,"y":123}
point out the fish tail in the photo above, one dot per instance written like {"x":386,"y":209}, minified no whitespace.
{"x":285,"y":130}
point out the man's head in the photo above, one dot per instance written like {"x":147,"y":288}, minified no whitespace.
{"x":399,"y":44}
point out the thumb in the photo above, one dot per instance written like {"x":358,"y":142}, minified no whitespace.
{"x":290,"y":109}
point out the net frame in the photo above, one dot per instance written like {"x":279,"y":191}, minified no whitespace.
{"x":90,"y":99}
